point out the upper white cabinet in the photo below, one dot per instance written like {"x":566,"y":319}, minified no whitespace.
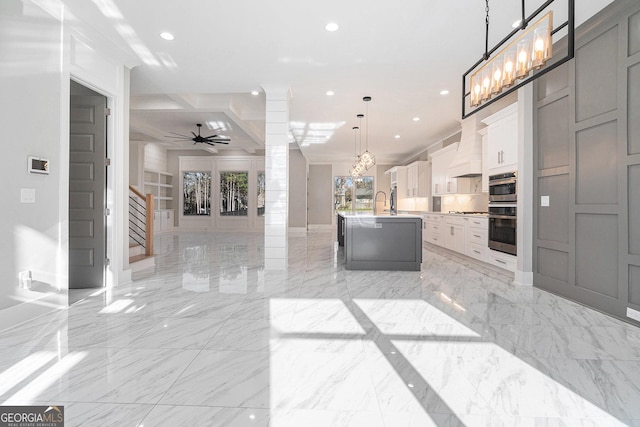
{"x":398,"y":176}
{"x":502,"y":140}
{"x":418,"y":179}
{"x":440,"y":179}
{"x":442,"y":183}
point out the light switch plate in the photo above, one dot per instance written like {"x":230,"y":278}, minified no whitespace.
{"x":27,"y":195}
{"x":544,"y":200}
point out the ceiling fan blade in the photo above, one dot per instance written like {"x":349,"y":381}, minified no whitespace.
{"x":215,"y":142}
{"x":181,"y":139}
{"x":194,"y":134}
{"x":218,"y":139}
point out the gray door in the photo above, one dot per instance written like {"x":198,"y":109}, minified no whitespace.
{"x":87,"y":189}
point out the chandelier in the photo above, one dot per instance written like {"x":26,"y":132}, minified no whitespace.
{"x":522,"y":56}
{"x":366,"y":160}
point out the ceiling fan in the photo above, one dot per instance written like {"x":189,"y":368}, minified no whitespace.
{"x":213,"y":139}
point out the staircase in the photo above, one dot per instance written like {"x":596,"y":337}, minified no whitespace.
{"x":141,"y":254}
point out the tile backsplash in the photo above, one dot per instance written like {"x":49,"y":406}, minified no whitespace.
{"x":465,"y":202}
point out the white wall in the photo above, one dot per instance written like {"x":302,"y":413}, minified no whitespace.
{"x":40,"y":54}
{"x":155,"y":157}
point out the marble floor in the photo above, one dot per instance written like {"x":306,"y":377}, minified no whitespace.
{"x":210,"y":338}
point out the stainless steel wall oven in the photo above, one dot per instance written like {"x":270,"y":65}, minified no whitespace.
{"x":502,"y":228}
{"x":503,"y":188}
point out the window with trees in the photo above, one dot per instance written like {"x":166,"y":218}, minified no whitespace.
{"x":234,"y":190}
{"x":196,"y":193}
{"x":353,"y":194}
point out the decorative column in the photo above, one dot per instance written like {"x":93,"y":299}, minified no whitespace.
{"x":276,"y":158}
{"x":525,"y":205}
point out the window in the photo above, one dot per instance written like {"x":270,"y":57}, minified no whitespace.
{"x":261,"y":193}
{"x":234,"y":193}
{"x":350,"y":194}
{"x":197,"y":193}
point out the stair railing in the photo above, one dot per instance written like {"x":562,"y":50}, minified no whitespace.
{"x":141,"y":220}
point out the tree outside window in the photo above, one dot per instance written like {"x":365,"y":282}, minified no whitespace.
{"x":234,"y":190}
{"x":350,"y":194}
{"x":196,"y":193}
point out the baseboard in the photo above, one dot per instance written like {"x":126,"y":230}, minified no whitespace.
{"x":524,"y":278}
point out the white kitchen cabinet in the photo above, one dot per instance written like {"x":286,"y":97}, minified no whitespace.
{"x":476,"y":237}
{"x":442,"y":183}
{"x":434,"y":229}
{"x":502,"y":260}
{"x":501,"y":154}
{"x":418,"y":179}
{"x":455,"y":233}
{"x":398,"y":175}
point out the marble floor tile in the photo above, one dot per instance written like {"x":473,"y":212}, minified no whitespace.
{"x":210,"y":337}
{"x":173,"y":415}
{"x":236,"y":379}
{"x":79,"y":414}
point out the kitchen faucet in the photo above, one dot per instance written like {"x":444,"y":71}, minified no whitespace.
{"x":376,"y":198}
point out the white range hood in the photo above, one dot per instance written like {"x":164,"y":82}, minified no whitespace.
{"x":468,"y":159}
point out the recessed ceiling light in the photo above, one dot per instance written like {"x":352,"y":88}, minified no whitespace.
{"x":444,"y":92}
{"x":330,"y":93}
{"x":397,"y":136}
{"x":516,"y":24}
{"x":167,"y":36}
{"x":255,"y":93}
{"x":331,"y":26}
{"x":416,"y":119}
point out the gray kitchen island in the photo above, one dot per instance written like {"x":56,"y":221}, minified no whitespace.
{"x":381,"y":242}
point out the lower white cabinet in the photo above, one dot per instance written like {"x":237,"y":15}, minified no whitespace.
{"x":162,"y":220}
{"x":502,"y":260}
{"x":455,"y":233}
{"x":477,"y":237}
{"x":433,"y":229}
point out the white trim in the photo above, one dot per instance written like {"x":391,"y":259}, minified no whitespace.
{"x":633,"y":314}
{"x":524,"y":278}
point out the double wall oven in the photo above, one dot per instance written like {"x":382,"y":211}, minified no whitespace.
{"x":503,"y":213}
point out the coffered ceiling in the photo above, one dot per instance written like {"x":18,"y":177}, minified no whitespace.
{"x":402,"y":54}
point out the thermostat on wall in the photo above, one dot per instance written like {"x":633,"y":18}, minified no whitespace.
{"x":38,"y":165}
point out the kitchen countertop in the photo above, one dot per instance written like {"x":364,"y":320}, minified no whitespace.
{"x":380,"y":215}
{"x":481,"y":215}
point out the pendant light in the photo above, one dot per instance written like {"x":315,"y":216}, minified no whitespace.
{"x":356,"y":171}
{"x":368,"y":159}
{"x":522,"y":56}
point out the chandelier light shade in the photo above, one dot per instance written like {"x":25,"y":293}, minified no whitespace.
{"x":522,"y":56}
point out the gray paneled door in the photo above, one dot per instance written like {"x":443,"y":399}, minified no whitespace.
{"x":87,"y":189}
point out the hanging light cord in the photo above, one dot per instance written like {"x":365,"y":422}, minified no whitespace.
{"x":367,"y":124}
{"x":486,"y":36}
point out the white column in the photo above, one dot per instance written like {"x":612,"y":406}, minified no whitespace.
{"x":526,"y":203}
{"x":276,"y":158}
